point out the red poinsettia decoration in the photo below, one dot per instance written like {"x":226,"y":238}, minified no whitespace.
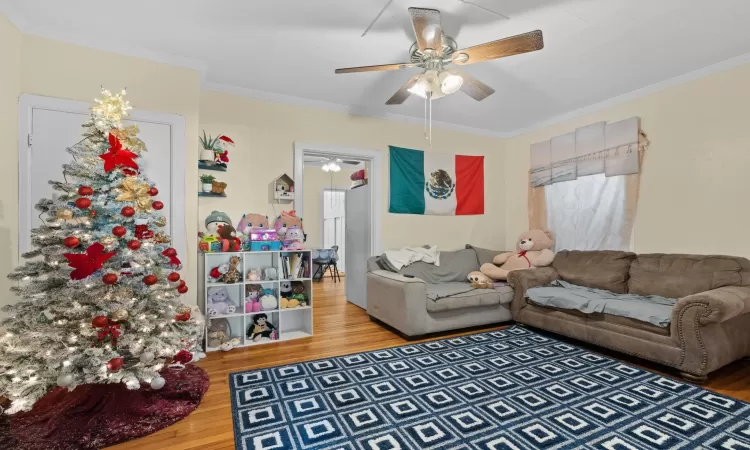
{"x":87,"y":263}
{"x":117,"y":156}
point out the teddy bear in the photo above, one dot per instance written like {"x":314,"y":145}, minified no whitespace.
{"x":219,"y":333}
{"x":228,"y":234}
{"x":219,"y":302}
{"x":533,"y":250}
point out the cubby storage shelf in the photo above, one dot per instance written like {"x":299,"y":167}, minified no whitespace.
{"x":290,"y":323}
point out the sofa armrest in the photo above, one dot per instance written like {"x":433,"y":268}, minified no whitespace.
{"x":697,"y":327}
{"x":523,"y":280}
{"x":396,"y":277}
{"x":399,"y":301}
{"x":714,"y":306}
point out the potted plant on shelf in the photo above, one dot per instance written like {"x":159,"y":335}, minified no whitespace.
{"x":215,"y":149}
{"x":209,"y":152}
{"x":207,"y":183}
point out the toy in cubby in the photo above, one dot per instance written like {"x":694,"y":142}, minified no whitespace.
{"x":261,"y":328}
{"x":220,"y":335}
{"x":252,"y":298}
{"x":268,"y":301}
{"x":228,"y":272}
{"x":219,"y":303}
{"x":293,"y":295}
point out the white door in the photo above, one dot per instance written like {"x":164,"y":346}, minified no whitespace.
{"x":57,"y":128}
{"x":334,"y":223}
{"x":357,"y":238}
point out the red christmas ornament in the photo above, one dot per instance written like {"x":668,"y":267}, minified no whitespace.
{"x":169,"y":252}
{"x":71,"y":242}
{"x":184,"y":317}
{"x":134,"y":245}
{"x":87,"y":263}
{"x":182,"y":289}
{"x":157,"y":205}
{"x":183,"y":357}
{"x":153,"y":192}
{"x":85,"y":190}
{"x":115,"y":364}
{"x":109,"y":278}
{"x":119,"y":231}
{"x":182,"y":282}
{"x":150,"y":280}
{"x":173,"y":277}
{"x":83,"y":203}
{"x":117,"y":156}
{"x":127,"y":211}
{"x":100,"y":322}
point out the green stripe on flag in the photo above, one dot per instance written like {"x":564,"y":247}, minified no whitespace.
{"x":407,"y":181}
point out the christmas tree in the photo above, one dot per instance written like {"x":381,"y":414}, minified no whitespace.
{"x":100,"y":292}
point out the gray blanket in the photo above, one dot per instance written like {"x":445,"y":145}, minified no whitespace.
{"x":653,"y":309}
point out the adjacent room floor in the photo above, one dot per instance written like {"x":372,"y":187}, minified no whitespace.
{"x":339,"y":328}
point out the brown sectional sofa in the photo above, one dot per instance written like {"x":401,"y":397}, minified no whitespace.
{"x":710,"y":324}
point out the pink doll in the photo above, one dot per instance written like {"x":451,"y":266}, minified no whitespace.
{"x":252,"y":301}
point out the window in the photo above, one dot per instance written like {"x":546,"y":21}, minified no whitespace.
{"x":588,"y":213}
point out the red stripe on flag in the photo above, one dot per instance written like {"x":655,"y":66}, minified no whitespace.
{"x":469,"y":185}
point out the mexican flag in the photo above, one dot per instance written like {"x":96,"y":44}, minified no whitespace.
{"x":435,"y":183}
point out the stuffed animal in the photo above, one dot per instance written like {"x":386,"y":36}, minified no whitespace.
{"x":270,"y":273}
{"x":286,"y":288}
{"x":268,"y":302}
{"x":286,"y":220}
{"x":232,"y":275}
{"x":480,"y":281}
{"x":254,"y":275}
{"x":288,"y":303}
{"x":298,"y":287}
{"x":228,"y":234}
{"x":250,"y":221}
{"x":219,"y":302}
{"x":534,"y":250}
{"x":294,"y":238}
{"x":252,"y":299}
{"x":215,"y":221}
{"x":261,"y":328}
{"x":218,"y":272}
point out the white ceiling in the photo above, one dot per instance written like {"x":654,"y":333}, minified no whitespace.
{"x":288,"y":49}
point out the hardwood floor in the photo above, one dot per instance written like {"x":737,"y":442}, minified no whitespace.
{"x":339,"y":328}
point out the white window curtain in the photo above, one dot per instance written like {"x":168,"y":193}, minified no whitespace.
{"x":588,"y":213}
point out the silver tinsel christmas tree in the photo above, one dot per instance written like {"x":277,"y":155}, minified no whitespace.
{"x":100,"y":293}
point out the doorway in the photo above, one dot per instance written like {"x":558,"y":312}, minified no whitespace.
{"x":341,"y":215}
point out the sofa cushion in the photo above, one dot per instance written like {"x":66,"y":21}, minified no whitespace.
{"x":477,"y":297}
{"x":608,"y":318}
{"x":603,"y":269}
{"x":672,"y":275}
{"x":485,"y":255}
{"x":454,"y":266}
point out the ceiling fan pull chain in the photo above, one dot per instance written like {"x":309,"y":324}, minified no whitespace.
{"x":425,"y":117}
{"x":430,"y":140}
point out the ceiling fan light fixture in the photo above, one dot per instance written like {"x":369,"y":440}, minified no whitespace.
{"x":450,"y":82}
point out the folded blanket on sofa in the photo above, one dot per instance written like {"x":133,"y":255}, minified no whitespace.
{"x":396,"y":259}
{"x":653,"y":309}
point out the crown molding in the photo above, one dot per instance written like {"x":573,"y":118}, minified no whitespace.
{"x":272,"y":97}
{"x":703,"y":72}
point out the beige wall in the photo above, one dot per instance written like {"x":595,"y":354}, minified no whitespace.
{"x":57,"y":69}
{"x":265,"y":134}
{"x":695,"y":185}
{"x":315,"y":181}
{"x":10,"y":88}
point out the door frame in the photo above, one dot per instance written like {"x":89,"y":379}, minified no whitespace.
{"x":26,"y":105}
{"x":375,"y":180}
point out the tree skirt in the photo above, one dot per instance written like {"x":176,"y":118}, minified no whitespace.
{"x":99,"y":415}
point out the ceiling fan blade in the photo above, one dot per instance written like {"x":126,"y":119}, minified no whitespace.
{"x":514,"y":45}
{"x":375,"y":68}
{"x":473,"y":87}
{"x":403,"y":93}
{"x":428,"y":29}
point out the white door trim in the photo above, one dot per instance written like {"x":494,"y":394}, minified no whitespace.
{"x":374,"y":157}
{"x":28,"y":102}
{"x":322,"y":211}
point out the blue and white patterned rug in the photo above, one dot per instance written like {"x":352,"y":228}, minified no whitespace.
{"x":505,"y":390}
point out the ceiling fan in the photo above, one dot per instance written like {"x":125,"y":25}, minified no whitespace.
{"x":433,"y":51}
